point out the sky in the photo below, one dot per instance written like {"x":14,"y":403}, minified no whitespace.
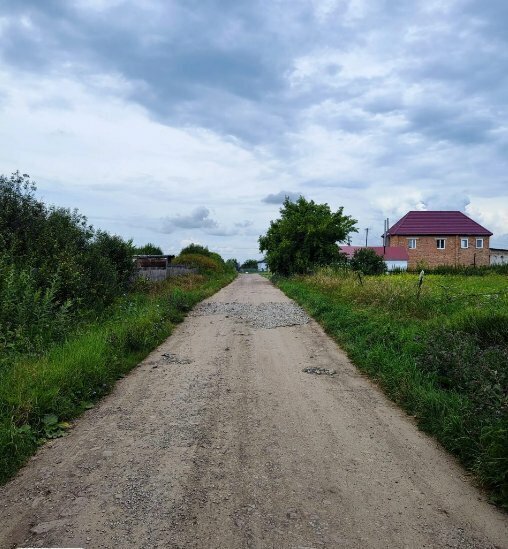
{"x":178,"y":121}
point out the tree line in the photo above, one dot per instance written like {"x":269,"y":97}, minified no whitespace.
{"x":54,"y":267}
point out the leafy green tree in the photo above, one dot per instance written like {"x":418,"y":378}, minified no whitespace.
{"x":233,"y":264}
{"x":147,"y":249}
{"x":305,"y":237}
{"x":250,"y":264}
{"x":368,"y":262}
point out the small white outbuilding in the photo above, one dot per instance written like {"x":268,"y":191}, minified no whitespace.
{"x":498,"y":256}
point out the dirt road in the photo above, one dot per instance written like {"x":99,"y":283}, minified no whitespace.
{"x":225,"y":442}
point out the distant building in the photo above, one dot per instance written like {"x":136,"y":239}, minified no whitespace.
{"x":153,"y":262}
{"x":395,"y":257}
{"x":262,"y":266}
{"x":441,"y":238}
{"x":498,"y":256}
{"x":158,"y":267}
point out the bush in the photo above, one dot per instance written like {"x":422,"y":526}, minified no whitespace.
{"x":54,"y":268}
{"x":368,"y":262}
{"x":206,"y":262}
{"x":147,"y":249}
{"x":29,"y":316}
{"x":250,"y":264}
{"x":196,"y":249}
{"x":202,"y":263}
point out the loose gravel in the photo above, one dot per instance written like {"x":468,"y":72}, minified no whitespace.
{"x":264,"y":315}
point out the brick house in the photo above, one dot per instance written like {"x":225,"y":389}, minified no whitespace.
{"x":440,"y":238}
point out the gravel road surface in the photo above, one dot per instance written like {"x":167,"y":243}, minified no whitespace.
{"x":219,"y":439}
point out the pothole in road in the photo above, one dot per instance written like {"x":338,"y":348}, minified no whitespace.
{"x":174,"y":359}
{"x":319,"y":371}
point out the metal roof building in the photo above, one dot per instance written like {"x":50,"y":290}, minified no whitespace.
{"x":437,"y":223}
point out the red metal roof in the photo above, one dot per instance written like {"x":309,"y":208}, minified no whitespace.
{"x":390,"y":253}
{"x":437,"y":223}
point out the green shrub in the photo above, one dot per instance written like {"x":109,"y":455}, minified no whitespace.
{"x":54,"y":268}
{"x":194,"y":249}
{"x":366,"y":261}
{"x":147,"y":249}
{"x":204,"y":264}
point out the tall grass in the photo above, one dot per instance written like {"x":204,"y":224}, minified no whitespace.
{"x":443,"y":356}
{"x":37,"y":395}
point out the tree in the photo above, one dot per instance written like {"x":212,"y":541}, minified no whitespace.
{"x":233,"y":264}
{"x":368,"y":262}
{"x":250,"y":264}
{"x":148,"y":249}
{"x":305,"y":237}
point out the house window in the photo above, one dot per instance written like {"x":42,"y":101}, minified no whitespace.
{"x":411,"y":243}
{"x":464,"y":243}
{"x":479,"y":242}
{"x":440,"y":243}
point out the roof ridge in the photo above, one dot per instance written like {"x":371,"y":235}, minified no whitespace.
{"x":421,"y":222}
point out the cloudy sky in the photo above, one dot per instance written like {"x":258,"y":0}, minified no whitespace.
{"x":173,"y":121}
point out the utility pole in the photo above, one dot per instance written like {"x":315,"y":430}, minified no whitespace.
{"x":385,"y":234}
{"x":366,"y":236}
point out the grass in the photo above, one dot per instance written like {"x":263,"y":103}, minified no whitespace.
{"x":38,"y":395}
{"x":443,"y":356}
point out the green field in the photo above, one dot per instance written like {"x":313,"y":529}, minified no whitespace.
{"x":39,"y":394}
{"x":442,"y":355}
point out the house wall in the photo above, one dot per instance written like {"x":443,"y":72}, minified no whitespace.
{"x":427,"y":253}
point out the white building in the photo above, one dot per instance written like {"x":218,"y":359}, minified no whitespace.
{"x":498,"y":256}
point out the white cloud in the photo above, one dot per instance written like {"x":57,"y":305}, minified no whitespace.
{"x":490,"y":212}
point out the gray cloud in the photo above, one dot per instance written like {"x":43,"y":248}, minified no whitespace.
{"x":244,"y":224}
{"x":222,"y":231}
{"x":451,"y":122}
{"x":335,"y":184}
{"x":279,"y":197}
{"x":195,"y":63}
{"x":197,"y":219}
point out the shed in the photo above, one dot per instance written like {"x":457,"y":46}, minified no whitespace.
{"x":152,"y":267}
{"x":498,"y":256}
